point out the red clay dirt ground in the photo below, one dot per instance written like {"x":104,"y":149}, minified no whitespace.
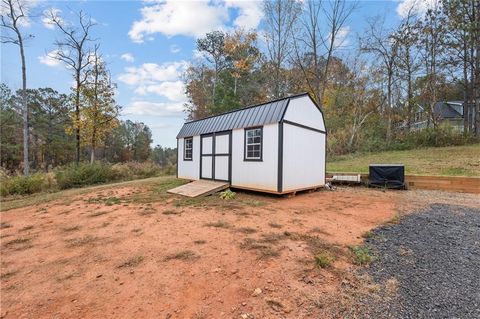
{"x":136,"y":251}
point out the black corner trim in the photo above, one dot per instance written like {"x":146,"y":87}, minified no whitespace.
{"x":178,"y":159}
{"x":280,"y":158}
{"x":304,"y":126}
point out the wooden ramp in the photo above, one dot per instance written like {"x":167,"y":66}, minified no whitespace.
{"x":199,"y":188}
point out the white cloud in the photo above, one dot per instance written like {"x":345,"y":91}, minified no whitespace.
{"x":150,"y":73}
{"x":27,"y":7}
{"x":128,"y":57}
{"x":193,"y":18}
{"x":175,"y":48}
{"x":174,"y":91}
{"x":249,"y":13}
{"x":341,"y":39}
{"x":47,"y":19}
{"x":154,"y":109}
{"x":415,"y":6}
{"x":159,"y":79}
{"x":49,"y":59}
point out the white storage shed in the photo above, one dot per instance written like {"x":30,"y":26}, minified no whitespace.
{"x":276,"y":147}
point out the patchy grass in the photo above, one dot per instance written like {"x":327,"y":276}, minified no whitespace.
{"x":108,"y":201}
{"x":275,"y":225}
{"x":265,"y":246}
{"x":147,"y":211}
{"x":112,"y":201}
{"x":8,"y":274}
{"x":219,"y":224}
{"x":275,"y":304}
{"x":318,"y":230}
{"x":99,"y":213}
{"x":71,"y":229}
{"x":253,"y":202}
{"x":452,"y":161}
{"x":157,"y":185}
{"x":368,"y":234}
{"x":26,"y":228}
{"x":362,"y":255}
{"x":246,"y":230}
{"x":19,"y":241}
{"x":171,"y":212}
{"x":181,"y":255}
{"x":394,"y":220}
{"x":80,"y":241}
{"x":131,"y":262}
{"x":324,"y":259}
{"x":4,"y":225}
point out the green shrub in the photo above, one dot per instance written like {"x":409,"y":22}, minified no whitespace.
{"x":135,"y":170}
{"x":83,"y":174}
{"x":170,"y":169}
{"x":324,"y":259}
{"x":23,"y":185}
{"x":227,"y":194}
{"x":362,"y":255}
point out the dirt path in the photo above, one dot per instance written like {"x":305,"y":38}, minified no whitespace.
{"x":139,"y":252}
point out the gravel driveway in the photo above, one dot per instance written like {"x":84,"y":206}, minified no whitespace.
{"x":433,"y":257}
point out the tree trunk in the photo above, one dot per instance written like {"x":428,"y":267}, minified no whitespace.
{"x":465,"y":87}
{"x":26,"y":164}
{"x":389,"y":107}
{"x":77,"y":118}
{"x":476,"y":80}
{"x":92,"y":150}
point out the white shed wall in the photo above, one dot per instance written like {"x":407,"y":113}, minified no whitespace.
{"x":257,"y":175}
{"x":303,"y":111}
{"x":303,"y":157}
{"x":189,"y":169}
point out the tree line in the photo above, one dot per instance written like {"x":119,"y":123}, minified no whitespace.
{"x":55,"y":129}
{"x":370,"y":90}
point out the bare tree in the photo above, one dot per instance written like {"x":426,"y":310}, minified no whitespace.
{"x":322,"y":25}
{"x":100,"y":111}
{"x":280,"y":16}
{"x":14,"y":13}
{"x":379,"y":42}
{"x":407,"y":59}
{"x":75,"y":52}
{"x":462,"y":37}
{"x":431,"y":40}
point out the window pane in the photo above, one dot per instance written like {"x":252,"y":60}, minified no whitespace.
{"x":253,"y":143}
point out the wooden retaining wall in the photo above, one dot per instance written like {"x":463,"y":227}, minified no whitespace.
{"x":443,"y":183}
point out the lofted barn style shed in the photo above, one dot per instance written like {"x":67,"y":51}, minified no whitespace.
{"x":276,"y":147}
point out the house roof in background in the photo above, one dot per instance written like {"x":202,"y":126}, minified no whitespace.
{"x":254,"y":115}
{"x":447,"y":109}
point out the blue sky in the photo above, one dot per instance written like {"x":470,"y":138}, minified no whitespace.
{"x":148,"y":44}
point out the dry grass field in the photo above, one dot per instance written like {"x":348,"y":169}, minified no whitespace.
{"x":450,"y":161}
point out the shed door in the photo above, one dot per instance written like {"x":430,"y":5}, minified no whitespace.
{"x":216,"y":156}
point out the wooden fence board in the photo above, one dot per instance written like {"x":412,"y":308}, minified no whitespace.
{"x":445,"y":183}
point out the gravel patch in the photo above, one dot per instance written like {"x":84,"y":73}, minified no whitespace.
{"x":433,"y":259}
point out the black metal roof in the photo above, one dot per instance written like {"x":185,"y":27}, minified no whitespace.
{"x":255,"y":115}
